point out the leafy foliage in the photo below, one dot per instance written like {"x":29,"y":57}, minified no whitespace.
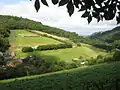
{"x":116,"y":55}
{"x":33,"y":65}
{"x":4,"y":42}
{"x":53,"y":47}
{"x":100,"y":77}
{"x":99,"y":9}
{"x":27,"y":49}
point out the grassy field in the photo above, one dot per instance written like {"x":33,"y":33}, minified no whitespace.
{"x":43,"y":33}
{"x":22,"y":38}
{"x":62,"y":54}
{"x":102,"y":76}
{"x":65,"y":54}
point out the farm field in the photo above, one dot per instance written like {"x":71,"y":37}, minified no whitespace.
{"x":22,"y":38}
{"x":53,"y":36}
{"x":61,"y":54}
{"x":64,"y":54}
{"x":43,"y":33}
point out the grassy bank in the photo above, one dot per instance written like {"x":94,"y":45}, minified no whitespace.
{"x":103,"y":75}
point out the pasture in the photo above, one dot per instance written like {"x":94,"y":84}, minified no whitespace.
{"x":25,"y":38}
{"x":64,"y":54}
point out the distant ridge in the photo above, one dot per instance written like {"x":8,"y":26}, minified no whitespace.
{"x":108,"y":36}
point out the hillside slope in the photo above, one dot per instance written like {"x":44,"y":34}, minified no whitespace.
{"x":99,"y":77}
{"x":107,"y":36}
{"x":13,"y":22}
{"x":34,"y":40}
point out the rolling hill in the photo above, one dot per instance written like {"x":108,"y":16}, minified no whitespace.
{"x":13,"y":22}
{"x":98,"y":77}
{"x":88,"y":74}
{"x":108,"y":36}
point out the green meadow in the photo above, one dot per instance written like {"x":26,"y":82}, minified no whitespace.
{"x":86,"y":51}
{"x":23,"y":38}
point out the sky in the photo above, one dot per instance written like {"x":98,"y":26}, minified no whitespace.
{"x":54,"y":16}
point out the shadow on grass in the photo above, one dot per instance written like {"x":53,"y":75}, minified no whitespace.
{"x":48,"y":58}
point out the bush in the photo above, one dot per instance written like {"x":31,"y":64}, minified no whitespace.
{"x":100,"y":61}
{"x":78,"y":44}
{"x":92,"y":61}
{"x":27,"y":49}
{"x":116,"y":56}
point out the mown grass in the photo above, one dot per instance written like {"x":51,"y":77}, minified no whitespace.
{"x":62,"y":54}
{"x":21,"y":41}
{"x":65,"y":54}
{"x":74,"y":79}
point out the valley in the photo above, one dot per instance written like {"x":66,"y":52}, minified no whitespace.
{"x":34,"y":56}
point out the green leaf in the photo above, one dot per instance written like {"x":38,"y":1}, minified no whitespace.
{"x":109,"y":15}
{"x":95,"y":14}
{"x":70,"y":8}
{"x":118,"y":19}
{"x":99,"y":2}
{"x":86,"y":14}
{"x":118,"y":6}
{"x":98,"y":18}
{"x":44,"y":2}
{"x":83,"y":7}
{"x":89,"y":19}
{"x":63,"y":2}
{"x":55,"y":1}
{"x":76,"y":3}
{"x":37,"y":5}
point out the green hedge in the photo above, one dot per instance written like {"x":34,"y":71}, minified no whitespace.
{"x":27,"y":49}
{"x":53,"y":47}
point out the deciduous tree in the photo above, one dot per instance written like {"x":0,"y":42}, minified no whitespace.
{"x":99,"y":9}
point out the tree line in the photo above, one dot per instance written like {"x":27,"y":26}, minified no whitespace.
{"x":47,"y":47}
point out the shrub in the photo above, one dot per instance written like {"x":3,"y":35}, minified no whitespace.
{"x":116,"y":56}
{"x":71,"y":65}
{"x":27,"y":49}
{"x":78,"y":44}
{"x":100,"y":61}
{"x":92,"y":61}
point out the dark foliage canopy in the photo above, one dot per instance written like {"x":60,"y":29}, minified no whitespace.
{"x":99,"y":9}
